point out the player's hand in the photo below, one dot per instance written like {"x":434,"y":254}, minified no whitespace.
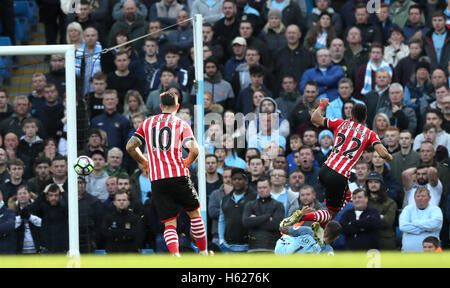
{"x":325,"y":101}
{"x":307,"y":209}
{"x":284,"y":230}
{"x":145,"y":169}
{"x":388,"y":157}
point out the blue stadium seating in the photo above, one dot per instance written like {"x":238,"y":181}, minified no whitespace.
{"x":25,"y":9}
{"x":5,"y":41}
{"x":21,"y":26}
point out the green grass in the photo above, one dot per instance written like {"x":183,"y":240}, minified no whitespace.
{"x":340,"y":260}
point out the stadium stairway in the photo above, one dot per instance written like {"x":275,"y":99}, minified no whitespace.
{"x":26,"y":65}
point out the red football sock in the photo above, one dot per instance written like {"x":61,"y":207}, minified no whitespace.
{"x":348,"y":198}
{"x":320,"y":216}
{"x":199,"y":232}
{"x":171,"y":238}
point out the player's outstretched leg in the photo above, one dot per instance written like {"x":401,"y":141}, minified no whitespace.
{"x":291,"y":220}
{"x":321,"y":216}
{"x":198,"y":230}
{"x":171,"y":238}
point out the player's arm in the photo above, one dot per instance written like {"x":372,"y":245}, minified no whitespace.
{"x":194,"y":150}
{"x":135,"y":152}
{"x":382,"y":151}
{"x":317,"y":116}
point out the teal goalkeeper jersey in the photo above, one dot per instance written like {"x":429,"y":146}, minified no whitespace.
{"x":301,"y":241}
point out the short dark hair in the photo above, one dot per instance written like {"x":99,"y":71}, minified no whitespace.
{"x":254,"y":157}
{"x":360,"y":190}
{"x":99,"y":152}
{"x":333,"y":229}
{"x":256,"y":69}
{"x":171,"y":50}
{"x":413,"y":7}
{"x":433,"y":240}
{"x":376,"y":45}
{"x":211,"y":155}
{"x":40,"y":160}
{"x":120,"y":192}
{"x":54,"y":188}
{"x":168,"y":99}
{"x":312,"y":83}
{"x":263,"y":178}
{"x":438,"y":13}
{"x":123,"y":176}
{"x":435,"y":111}
{"x":359,"y":112}
{"x":169,"y":70}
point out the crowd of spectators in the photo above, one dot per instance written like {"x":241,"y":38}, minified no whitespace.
{"x":266,"y":64}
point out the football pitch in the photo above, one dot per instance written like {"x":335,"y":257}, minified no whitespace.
{"x":370,"y":259}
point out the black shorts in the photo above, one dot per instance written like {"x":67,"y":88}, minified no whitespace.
{"x":170,"y":193}
{"x":336,"y":186}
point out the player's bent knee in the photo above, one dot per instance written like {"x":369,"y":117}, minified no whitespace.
{"x":194,"y":213}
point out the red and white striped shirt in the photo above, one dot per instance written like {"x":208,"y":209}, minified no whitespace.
{"x":350,"y":141}
{"x":165,"y":134}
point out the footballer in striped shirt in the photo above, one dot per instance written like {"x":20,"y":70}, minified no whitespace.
{"x":351,"y":138}
{"x":165,"y":135}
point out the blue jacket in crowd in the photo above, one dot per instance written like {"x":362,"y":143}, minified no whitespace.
{"x":327,"y":82}
{"x":116,"y":126}
{"x":8,"y":241}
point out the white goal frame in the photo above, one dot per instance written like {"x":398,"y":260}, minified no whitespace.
{"x":69,"y":53}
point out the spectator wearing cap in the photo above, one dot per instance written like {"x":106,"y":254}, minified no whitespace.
{"x":396,"y":50}
{"x":220,"y":89}
{"x":387,"y":208}
{"x":418,"y":91}
{"x":233,"y":236}
{"x":326,"y":139}
{"x":393,"y":188}
{"x":239,"y":46}
{"x":273,"y":32}
{"x":290,"y":12}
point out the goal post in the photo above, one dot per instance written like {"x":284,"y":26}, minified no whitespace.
{"x":69,"y":53}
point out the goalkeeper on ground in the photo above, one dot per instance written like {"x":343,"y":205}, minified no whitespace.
{"x":302,"y":239}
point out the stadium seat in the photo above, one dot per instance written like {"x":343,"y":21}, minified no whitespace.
{"x":22,"y":28}
{"x":5,"y":41}
{"x":4,"y":73}
{"x":25,"y":9}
